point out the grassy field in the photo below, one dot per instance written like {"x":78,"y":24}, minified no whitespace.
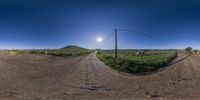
{"x":129,"y":61}
{"x":68,"y":51}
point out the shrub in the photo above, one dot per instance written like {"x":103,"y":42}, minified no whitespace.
{"x":188,"y":49}
{"x":130,"y":66}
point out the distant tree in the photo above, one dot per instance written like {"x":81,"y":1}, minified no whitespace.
{"x":188,"y":49}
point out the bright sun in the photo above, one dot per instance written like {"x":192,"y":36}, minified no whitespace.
{"x":99,"y":39}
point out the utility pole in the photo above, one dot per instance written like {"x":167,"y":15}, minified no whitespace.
{"x":116,"y":43}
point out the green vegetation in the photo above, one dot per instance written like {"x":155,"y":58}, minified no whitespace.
{"x":189,"y":50}
{"x":69,"y":51}
{"x":8,"y":52}
{"x":196,"y":51}
{"x":131,"y":63}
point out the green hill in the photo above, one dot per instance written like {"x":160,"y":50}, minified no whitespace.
{"x":73,"y":48}
{"x":70,"y":50}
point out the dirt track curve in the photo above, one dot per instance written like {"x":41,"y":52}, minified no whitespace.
{"x":37,"y":77}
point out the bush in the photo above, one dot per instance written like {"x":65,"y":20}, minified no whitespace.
{"x":35,"y":52}
{"x":133,"y":66}
{"x":64,"y":54}
{"x":188,"y":49}
{"x":196,"y":51}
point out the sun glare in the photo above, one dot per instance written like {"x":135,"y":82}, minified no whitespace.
{"x":99,"y":39}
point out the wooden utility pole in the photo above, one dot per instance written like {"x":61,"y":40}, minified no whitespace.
{"x":116,"y":43}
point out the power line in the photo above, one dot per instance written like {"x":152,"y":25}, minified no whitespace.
{"x":146,"y":35}
{"x":140,"y":33}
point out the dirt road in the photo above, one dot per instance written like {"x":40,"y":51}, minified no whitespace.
{"x":43,"y":77}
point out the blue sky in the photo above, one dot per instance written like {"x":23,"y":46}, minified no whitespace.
{"x":27,"y":24}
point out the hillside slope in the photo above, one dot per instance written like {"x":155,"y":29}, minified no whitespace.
{"x":70,"y":50}
{"x":73,"y":48}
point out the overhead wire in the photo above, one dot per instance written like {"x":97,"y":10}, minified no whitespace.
{"x":137,"y":32}
{"x":146,"y":35}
